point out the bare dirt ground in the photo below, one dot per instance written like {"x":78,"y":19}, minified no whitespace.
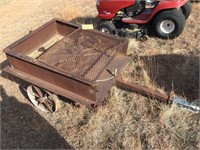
{"x":125,"y":120}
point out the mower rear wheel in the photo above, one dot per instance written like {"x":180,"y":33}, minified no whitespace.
{"x":107,"y":27}
{"x":186,"y":9}
{"x":169,"y":24}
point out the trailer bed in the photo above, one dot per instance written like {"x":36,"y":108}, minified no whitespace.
{"x":68,"y":61}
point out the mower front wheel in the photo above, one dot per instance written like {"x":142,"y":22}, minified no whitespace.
{"x":169,"y":24}
{"x":107,"y":27}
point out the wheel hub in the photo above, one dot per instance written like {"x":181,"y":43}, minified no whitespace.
{"x":167,"y":26}
{"x":105,"y":30}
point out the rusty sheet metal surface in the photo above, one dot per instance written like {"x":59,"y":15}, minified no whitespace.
{"x":53,"y":77}
{"x":51,"y":87}
{"x":83,"y":54}
{"x":117,"y":64}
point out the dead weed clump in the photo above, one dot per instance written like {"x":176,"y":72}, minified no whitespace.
{"x":182,"y":126}
{"x":130,"y":121}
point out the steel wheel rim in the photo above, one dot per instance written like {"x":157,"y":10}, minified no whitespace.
{"x":167,"y":26}
{"x":105,"y":30}
{"x":42,"y":99}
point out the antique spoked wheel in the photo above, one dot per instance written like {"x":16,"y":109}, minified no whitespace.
{"x":42,"y":99}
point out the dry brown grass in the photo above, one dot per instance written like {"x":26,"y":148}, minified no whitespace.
{"x":125,"y":120}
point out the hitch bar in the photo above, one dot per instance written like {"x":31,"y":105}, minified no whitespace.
{"x":143,"y":90}
{"x":169,"y":99}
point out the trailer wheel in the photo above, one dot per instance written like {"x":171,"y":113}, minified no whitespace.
{"x":169,"y":24}
{"x":186,"y":9}
{"x":42,"y":99}
{"x":107,"y":27}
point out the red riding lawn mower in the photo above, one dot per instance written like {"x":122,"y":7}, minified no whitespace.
{"x":166,"y":18}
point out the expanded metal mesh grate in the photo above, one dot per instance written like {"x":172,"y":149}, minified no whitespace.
{"x":82,"y":55}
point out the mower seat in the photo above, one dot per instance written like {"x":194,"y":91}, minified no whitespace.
{"x":135,"y":9}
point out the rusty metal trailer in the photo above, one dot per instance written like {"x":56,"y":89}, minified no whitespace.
{"x":81,"y":65}
{"x":66,"y":60}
